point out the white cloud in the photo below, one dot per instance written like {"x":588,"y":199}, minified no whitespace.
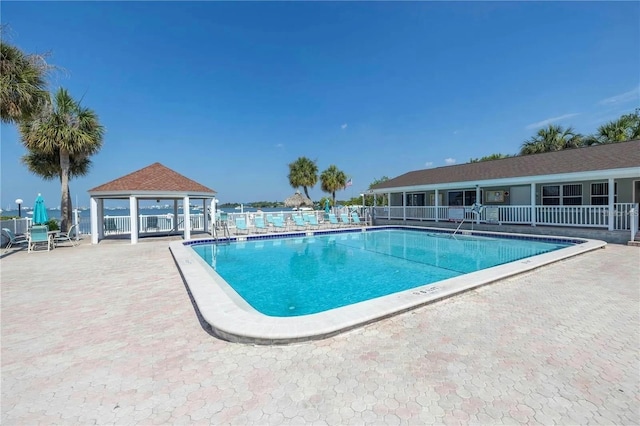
{"x":550,"y":120}
{"x":279,"y":145}
{"x":625,"y":97}
{"x":344,"y":126}
{"x":428,"y":164}
{"x":449,"y":161}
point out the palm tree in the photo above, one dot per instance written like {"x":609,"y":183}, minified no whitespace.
{"x":303,"y":173}
{"x":47,"y":166}
{"x":23,"y":88}
{"x":625,"y":128}
{"x":332,"y":180}
{"x":551,"y":138}
{"x":69,"y":130}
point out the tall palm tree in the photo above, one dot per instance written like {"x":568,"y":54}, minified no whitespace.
{"x":551,"y":138}
{"x":23,"y":87}
{"x":303,"y":173}
{"x":68,"y":129}
{"x":625,"y":128}
{"x":333,"y":179}
{"x":47,"y":166}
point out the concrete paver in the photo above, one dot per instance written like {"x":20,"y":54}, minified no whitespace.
{"x":107,"y":334}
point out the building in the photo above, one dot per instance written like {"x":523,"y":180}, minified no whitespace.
{"x":585,"y":189}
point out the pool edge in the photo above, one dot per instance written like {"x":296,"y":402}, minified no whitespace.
{"x":231,"y":318}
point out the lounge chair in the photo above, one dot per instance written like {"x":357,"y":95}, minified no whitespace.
{"x":356,"y":220}
{"x":110,"y":225}
{"x":345,"y":219}
{"x":299,"y":222}
{"x":39,"y":234}
{"x":14,"y":240}
{"x":241,"y":225}
{"x":333,"y":220}
{"x":278,"y":224}
{"x":67,"y":237}
{"x":258,"y":222}
{"x":312,"y":220}
{"x":152,"y":223}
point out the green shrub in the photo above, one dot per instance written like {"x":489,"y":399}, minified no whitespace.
{"x":53,"y":225}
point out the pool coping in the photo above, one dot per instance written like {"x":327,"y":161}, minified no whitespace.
{"x":232,"y":318}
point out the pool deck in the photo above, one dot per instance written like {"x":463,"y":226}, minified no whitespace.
{"x":107,"y":334}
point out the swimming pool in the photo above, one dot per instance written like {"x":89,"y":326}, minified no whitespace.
{"x":305,"y":275}
{"x":304,"y":313}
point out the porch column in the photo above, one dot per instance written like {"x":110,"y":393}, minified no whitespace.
{"x":533,"y":204}
{"x":388,"y":205}
{"x":186,"y":211}
{"x":95,"y":226}
{"x":404,"y":206}
{"x":612,"y":193}
{"x":478,"y":202}
{"x":437,"y":205}
{"x":133,"y":218}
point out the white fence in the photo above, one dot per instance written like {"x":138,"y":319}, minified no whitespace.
{"x":582,"y":216}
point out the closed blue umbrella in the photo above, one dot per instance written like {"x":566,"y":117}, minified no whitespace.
{"x":327,"y":207}
{"x":40,"y":211}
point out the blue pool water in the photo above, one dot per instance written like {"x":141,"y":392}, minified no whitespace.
{"x":287,"y":277}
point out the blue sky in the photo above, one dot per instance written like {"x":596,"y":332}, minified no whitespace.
{"x":229,"y":94}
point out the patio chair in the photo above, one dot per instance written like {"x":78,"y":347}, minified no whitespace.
{"x":258,"y":222}
{"x":333,"y":220}
{"x":152,"y":223}
{"x":356,"y":220}
{"x":344,"y":218}
{"x":14,"y":240}
{"x":241,"y":225}
{"x":278,"y":224}
{"x":67,"y":237}
{"x":110,"y":225}
{"x":299,"y":222}
{"x":39,"y":234}
{"x":312,"y":221}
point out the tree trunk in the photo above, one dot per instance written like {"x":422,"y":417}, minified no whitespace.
{"x":65,"y":202}
{"x":306,"y":192}
{"x":333,"y":195}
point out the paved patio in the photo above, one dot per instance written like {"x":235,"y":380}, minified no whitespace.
{"x":107,"y":334}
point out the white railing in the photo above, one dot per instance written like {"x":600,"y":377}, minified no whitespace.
{"x":579,"y":216}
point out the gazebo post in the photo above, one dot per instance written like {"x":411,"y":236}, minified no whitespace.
{"x":95,"y":224}
{"x":175,"y":215}
{"x":133,"y":217}
{"x":186,"y":211}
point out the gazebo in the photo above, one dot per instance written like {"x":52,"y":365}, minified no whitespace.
{"x":154,"y":182}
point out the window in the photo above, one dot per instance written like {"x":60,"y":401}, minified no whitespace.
{"x":600,"y":193}
{"x":416,"y":199}
{"x":562,"y":195}
{"x":463,"y":198}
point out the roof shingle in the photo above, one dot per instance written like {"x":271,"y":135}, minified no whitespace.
{"x":155,"y":177}
{"x":599,"y":157}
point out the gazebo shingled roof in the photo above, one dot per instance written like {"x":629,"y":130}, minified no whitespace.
{"x":155,"y":177}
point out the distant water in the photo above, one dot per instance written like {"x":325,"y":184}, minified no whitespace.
{"x":55,"y":214}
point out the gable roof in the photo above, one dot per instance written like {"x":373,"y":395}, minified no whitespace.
{"x":620,"y":155}
{"x":153,"y":178}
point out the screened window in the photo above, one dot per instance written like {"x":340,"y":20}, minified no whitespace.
{"x":562,"y":195}
{"x":600,"y":193}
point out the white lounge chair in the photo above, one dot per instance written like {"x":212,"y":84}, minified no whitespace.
{"x":68,"y":236}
